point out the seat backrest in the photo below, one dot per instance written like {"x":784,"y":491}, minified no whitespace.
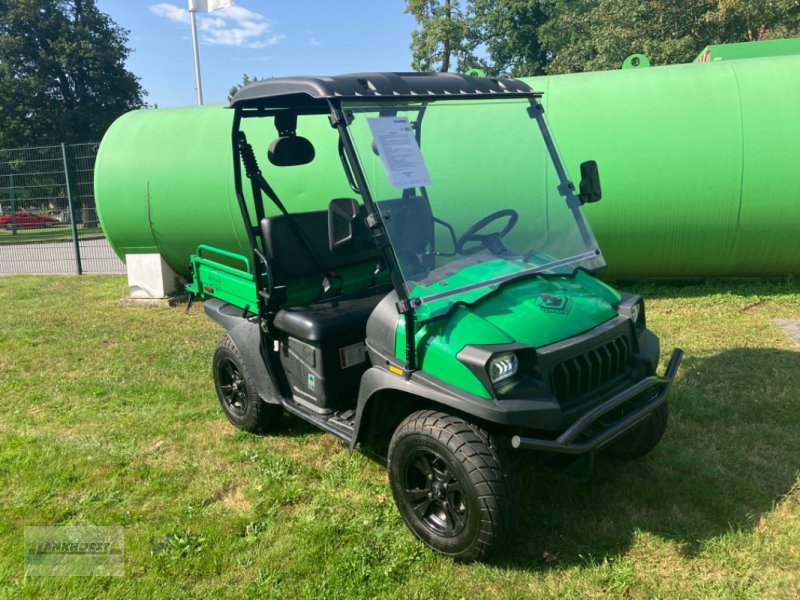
{"x":409,"y":223}
{"x":291,"y":261}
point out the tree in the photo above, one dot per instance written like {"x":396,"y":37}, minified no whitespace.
{"x":509,"y":31}
{"x":750,"y":20}
{"x":246,"y":80}
{"x":599,"y":34}
{"x":447,"y":35}
{"x":590,"y":35}
{"x":530,"y":37}
{"x":62,"y":72}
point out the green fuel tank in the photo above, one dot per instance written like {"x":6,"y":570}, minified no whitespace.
{"x":698,"y":165}
{"x":164,"y":181}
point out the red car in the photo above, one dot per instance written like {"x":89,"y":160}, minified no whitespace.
{"x":27,"y":219}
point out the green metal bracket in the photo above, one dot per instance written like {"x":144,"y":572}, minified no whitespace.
{"x":475,"y":73}
{"x":636,"y":61}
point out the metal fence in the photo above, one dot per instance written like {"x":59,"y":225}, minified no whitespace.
{"x":48,"y":218}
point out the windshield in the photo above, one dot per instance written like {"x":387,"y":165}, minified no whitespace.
{"x":469,"y":196}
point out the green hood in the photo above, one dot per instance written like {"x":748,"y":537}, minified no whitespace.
{"x":535,"y":311}
{"x":540,"y":311}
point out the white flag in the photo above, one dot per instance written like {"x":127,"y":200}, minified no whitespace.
{"x":209,"y":5}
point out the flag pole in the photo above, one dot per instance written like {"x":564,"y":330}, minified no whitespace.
{"x":197,"y":82}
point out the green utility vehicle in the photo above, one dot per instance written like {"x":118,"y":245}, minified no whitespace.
{"x":450,"y":316}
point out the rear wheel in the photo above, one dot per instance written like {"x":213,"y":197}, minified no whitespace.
{"x":645,"y":437}
{"x":450,"y":484}
{"x":236,"y":392}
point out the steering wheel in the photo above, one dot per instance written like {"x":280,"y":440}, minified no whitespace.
{"x":491,"y":241}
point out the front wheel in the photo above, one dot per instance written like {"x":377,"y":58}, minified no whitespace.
{"x":451,"y":485}
{"x":236,"y":391}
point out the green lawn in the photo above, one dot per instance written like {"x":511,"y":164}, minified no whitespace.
{"x":110,"y":418}
{"x":62,"y":233}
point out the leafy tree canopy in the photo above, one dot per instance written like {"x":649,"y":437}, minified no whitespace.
{"x":532,"y":37}
{"x":447,"y":37}
{"x":599,"y":34}
{"x":508,"y":30}
{"x":62,"y":72}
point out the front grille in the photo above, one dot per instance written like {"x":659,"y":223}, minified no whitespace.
{"x":579,"y":376}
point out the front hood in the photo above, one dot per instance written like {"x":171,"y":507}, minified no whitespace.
{"x":540,"y":311}
{"x":535,"y":310}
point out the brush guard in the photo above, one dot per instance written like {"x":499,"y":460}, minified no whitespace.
{"x":580,"y":438}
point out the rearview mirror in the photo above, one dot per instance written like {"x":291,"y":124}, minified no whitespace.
{"x":344,"y":225}
{"x":590,"y":183}
{"x":290,"y":151}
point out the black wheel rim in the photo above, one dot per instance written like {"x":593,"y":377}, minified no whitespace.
{"x":433,"y":493}
{"x":232,"y":387}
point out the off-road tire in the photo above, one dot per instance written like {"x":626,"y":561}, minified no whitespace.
{"x":480,"y":502}
{"x":645,"y":437}
{"x":236,"y":392}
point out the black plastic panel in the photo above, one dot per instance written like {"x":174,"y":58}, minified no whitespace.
{"x":299,"y":91}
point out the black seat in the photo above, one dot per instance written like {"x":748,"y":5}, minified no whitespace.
{"x":343,"y":319}
{"x":289,"y":255}
{"x":301,"y":263}
{"x":409,"y":223}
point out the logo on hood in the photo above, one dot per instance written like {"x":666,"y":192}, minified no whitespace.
{"x":554,"y":304}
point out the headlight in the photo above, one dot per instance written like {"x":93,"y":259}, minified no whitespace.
{"x":503,"y":366}
{"x":636,"y":312}
{"x":632,"y":307}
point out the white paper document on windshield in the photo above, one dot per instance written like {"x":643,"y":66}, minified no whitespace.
{"x":399,"y":151}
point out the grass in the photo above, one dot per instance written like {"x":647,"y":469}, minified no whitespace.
{"x":109,"y":417}
{"x":61,"y":233}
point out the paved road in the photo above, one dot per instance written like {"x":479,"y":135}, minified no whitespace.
{"x":791,"y":327}
{"x":58,"y":257}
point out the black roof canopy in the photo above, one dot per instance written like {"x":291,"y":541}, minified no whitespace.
{"x":289,"y":92}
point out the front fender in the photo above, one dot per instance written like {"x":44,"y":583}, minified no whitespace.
{"x":542,"y":413}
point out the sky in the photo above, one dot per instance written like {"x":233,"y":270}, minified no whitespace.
{"x":263,"y":38}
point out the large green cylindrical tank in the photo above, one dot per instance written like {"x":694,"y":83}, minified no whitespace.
{"x":697,"y":163}
{"x":164,"y":181}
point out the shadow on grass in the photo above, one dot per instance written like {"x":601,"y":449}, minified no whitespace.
{"x":730,"y":453}
{"x":289,"y":426}
{"x":696,"y":288}
{"x":292,"y":426}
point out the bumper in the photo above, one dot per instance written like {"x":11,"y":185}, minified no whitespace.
{"x":591,"y":432}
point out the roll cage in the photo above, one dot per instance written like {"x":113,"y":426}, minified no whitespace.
{"x":287,"y":98}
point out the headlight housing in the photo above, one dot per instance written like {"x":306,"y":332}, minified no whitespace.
{"x":503,"y":366}
{"x":636,"y":312}
{"x":633,"y":308}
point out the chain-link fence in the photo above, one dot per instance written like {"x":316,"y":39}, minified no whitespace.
{"x":48,"y":218}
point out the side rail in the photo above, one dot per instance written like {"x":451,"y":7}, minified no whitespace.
{"x":211,"y":278}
